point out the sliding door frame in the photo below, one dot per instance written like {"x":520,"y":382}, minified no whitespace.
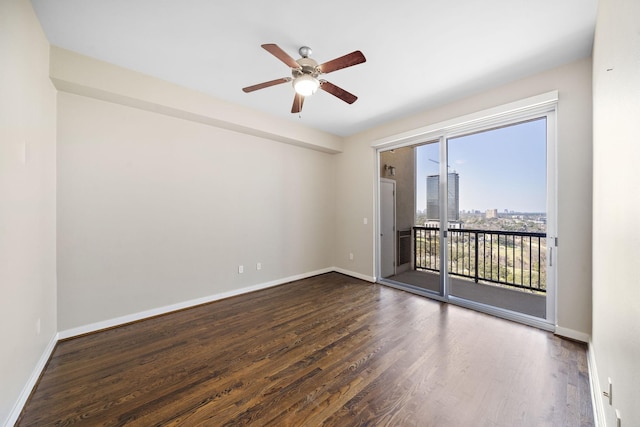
{"x":544,"y":105}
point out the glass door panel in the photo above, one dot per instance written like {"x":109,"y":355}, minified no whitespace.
{"x":496,"y":217}
{"x":410,"y":233}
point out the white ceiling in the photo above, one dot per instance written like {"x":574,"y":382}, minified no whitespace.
{"x":420,"y":53}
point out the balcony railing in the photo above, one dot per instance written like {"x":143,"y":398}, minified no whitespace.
{"x":510,"y":258}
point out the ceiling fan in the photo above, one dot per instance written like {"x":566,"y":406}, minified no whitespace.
{"x":305,"y":72}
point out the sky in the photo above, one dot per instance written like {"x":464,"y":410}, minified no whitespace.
{"x":498,"y":169}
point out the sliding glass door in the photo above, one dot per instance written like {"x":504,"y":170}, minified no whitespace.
{"x":469,"y":217}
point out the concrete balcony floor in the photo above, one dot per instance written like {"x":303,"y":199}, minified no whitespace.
{"x":520,"y":301}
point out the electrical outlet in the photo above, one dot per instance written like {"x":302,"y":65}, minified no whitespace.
{"x":350,"y":256}
{"x":365,"y":221}
{"x":240,"y":269}
{"x":259,"y":266}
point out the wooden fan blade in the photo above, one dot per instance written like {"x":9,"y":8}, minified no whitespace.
{"x":348,"y":60}
{"x":283,"y":56}
{"x":266,"y":84}
{"x":298,"y":100}
{"x":338,"y":92}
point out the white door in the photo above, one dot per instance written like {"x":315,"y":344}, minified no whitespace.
{"x":387,"y":227}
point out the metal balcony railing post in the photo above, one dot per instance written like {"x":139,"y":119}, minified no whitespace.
{"x":415,"y":248}
{"x":476,"y":255}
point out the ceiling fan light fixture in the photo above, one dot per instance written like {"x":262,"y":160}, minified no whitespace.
{"x":305,"y":73}
{"x":306,"y":84}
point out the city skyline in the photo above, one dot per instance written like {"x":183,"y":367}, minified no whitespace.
{"x":503,"y":168}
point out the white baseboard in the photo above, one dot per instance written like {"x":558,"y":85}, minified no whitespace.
{"x":354,"y":274}
{"x":110,"y":323}
{"x":31,"y":383}
{"x":596,"y":391}
{"x":572,"y":334}
{"x":117,"y":321}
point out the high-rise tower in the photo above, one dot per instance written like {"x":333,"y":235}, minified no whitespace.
{"x":433,"y":197}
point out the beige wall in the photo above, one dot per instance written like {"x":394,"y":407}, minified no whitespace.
{"x":82,"y":75}
{"x":616,"y":207}
{"x":356,"y":165}
{"x":154,"y":210}
{"x":27,"y":200}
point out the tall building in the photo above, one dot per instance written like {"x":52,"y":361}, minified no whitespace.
{"x":491,"y":213}
{"x":433,"y":197}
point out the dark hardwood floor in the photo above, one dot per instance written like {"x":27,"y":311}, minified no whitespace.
{"x":329,"y":350}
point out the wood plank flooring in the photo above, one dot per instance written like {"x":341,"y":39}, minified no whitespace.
{"x":329,"y":350}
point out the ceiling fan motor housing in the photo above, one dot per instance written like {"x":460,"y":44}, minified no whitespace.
{"x":307,"y":66}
